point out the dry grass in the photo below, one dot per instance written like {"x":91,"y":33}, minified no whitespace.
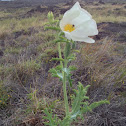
{"x":24,"y":68}
{"x":19,"y":24}
{"x":111,"y":13}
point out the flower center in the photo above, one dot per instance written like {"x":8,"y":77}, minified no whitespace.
{"x":69,"y":28}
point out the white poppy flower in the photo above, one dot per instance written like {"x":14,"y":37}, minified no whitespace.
{"x":77,"y":24}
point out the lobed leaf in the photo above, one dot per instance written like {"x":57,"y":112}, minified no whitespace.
{"x":58,"y":59}
{"x":52,"y":28}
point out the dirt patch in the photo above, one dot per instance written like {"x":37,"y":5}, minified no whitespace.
{"x":54,"y":9}
{"x":117,"y":31}
{"x":101,"y":2}
{"x":29,"y":31}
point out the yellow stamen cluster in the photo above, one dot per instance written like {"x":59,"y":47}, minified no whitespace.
{"x":69,"y":28}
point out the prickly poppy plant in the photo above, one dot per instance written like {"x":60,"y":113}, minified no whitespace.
{"x":76,"y":25}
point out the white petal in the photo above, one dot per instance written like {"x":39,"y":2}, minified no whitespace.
{"x":82,"y":17}
{"x":89,"y":40}
{"x":83,"y":39}
{"x":76,"y":15}
{"x":62,"y":24}
{"x":88,"y":28}
{"x":67,"y":19}
{"x":77,"y":4}
{"x":71,"y":14}
{"x":68,"y":35}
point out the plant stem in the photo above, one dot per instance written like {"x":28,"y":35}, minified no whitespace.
{"x":60,"y":55}
{"x":64,"y":90}
{"x":64,"y":80}
{"x":64,"y":83}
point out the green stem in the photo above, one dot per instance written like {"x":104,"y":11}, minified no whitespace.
{"x":64,"y":80}
{"x":60,"y":55}
{"x":64,"y":89}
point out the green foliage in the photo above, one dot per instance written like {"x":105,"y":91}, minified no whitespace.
{"x":52,"y":24}
{"x":56,"y":72}
{"x":80,"y":105}
{"x":52,"y":28}
{"x":50,"y":17}
{"x":57,"y":59}
{"x":66,"y":121}
{"x":96,"y":104}
{"x":78,"y":100}
{"x":53,"y":120}
{"x":61,"y":40}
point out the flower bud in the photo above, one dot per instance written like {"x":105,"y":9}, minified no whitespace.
{"x":50,"y":16}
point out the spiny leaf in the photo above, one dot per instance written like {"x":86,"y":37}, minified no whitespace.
{"x":61,"y":40}
{"x":79,"y":106}
{"x":71,"y":57}
{"x":66,"y":70}
{"x":58,"y":59}
{"x":96,"y":104}
{"x":70,"y":81}
{"x":53,"y":120}
{"x":78,"y":51}
{"x":52,"y":28}
{"x":56,"y":73}
{"x":73,"y":45}
{"x":66,"y":121}
{"x":72,"y":68}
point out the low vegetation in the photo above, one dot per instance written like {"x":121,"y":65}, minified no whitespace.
{"x":26,"y":50}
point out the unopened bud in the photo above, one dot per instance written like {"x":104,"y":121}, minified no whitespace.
{"x":50,"y":16}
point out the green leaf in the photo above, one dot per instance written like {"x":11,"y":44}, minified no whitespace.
{"x":60,"y":75}
{"x":61,"y":35}
{"x":77,"y":100}
{"x":70,"y":81}
{"x":66,"y":70}
{"x":50,"y":23}
{"x":66,"y":121}
{"x":73,"y":45}
{"x":52,"y":28}
{"x":58,"y":67}
{"x":71,"y":57}
{"x":68,"y":74}
{"x":53,"y":121}
{"x":72,"y":68}
{"x":78,"y":51}
{"x":79,"y":105}
{"x":96,"y":104}
{"x":58,"y":59}
{"x":60,"y":40}
{"x":56,"y":73}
